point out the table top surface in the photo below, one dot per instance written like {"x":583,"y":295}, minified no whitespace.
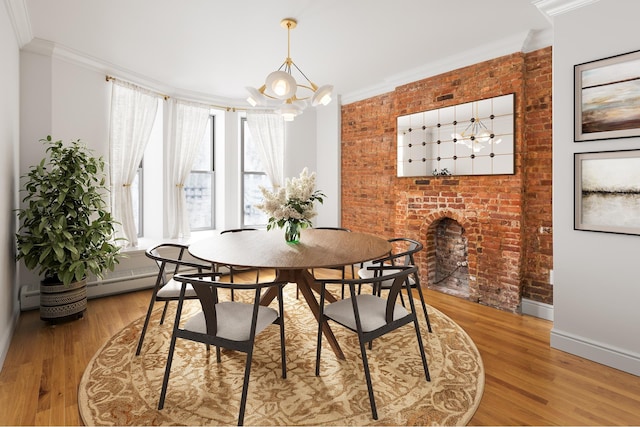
{"x":268,"y":249}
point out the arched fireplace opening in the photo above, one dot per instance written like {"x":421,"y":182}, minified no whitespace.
{"x":448,"y":260}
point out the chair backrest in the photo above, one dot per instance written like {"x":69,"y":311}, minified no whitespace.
{"x":400,"y":278}
{"x":171,"y":258}
{"x":238,"y":230}
{"x":404,"y":247}
{"x":332,"y":228}
{"x":399,"y":274}
{"x":206,"y":287}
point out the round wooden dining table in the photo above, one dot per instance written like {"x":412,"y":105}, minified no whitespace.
{"x":318,"y":248}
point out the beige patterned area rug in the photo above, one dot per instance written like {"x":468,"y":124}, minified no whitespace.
{"x":119,"y":388}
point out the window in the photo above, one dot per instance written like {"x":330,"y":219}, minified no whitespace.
{"x":253,"y":177}
{"x":201,"y":182}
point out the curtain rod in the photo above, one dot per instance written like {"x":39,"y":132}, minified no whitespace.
{"x":166,"y":97}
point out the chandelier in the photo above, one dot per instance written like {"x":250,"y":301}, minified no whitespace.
{"x":476,"y":135}
{"x":282,"y":89}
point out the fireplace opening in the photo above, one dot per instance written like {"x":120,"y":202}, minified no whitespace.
{"x":449,"y":272}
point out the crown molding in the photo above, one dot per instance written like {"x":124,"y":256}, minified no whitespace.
{"x":526,"y":41}
{"x":19,"y":17}
{"x":63,"y":53}
{"x":550,"y":8}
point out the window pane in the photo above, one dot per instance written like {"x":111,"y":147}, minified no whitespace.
{"x":252,"y":197}
{"x":204,"y":157}
{"x":199,"y":184}
{"x":252,"y":160}
{"x":199,"y":199}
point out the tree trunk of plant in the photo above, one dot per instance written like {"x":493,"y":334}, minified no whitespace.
{"x":60,"y":302}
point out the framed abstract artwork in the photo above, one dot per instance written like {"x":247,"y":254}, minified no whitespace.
{"x":607,"y":98}
{"x":607,"y":191}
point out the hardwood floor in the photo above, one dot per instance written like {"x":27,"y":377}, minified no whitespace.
{"x":527,"y":382}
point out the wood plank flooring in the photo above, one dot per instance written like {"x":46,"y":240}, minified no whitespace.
{"x":527,"y":382}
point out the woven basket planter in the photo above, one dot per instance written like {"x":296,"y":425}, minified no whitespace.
{"x":60,"y":302}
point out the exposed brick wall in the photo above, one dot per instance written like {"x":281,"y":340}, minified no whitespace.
{"x":493,"y":210}
{"x":538,"y":250}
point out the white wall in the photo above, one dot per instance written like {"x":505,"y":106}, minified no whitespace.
{"x":313,"y":141}
{"x":597,"y":281}
{"x":328,"y":161}
{"x":9,"y":140}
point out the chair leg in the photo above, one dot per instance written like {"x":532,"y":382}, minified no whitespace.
{"x":421,"y":346}
{"x":245,"y":387}
{"x":319,"y":348}
{"x":167,"y":372}
{"x":424,"y":306}
{"x":164,"y":312}
{"x":367,"y":375}
{"x":321,"y":320}
{"x":283,"y":353}
{"x":231,"y":280}
{"x":146,"y":322}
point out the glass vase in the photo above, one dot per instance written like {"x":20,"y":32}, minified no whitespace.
{"x":292,"y":232}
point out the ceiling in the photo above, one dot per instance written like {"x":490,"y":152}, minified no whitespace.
{"x":215,"y":48}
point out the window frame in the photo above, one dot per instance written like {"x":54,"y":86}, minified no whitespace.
{"x":243,"y":173}
{"x":212,"y":173}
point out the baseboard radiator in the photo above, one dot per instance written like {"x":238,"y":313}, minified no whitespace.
{"x":134,"y":272}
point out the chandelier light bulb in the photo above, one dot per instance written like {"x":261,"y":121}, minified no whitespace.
{"x":280,"y":85}
{"x":322,"y":95}
{"x":289,"y":111}
{"x":483,"y":136}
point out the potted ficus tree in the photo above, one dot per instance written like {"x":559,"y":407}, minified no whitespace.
{"x":65,"y":231}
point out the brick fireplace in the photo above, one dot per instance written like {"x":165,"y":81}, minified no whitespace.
{"x":481,"y":230}
{"x":480,"y":233}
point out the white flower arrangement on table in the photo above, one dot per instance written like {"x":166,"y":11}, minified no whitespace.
{"x":293,"y":204}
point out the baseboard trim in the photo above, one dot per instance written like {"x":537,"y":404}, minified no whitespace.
{"x":537,"y":309}
{"x":598,"y":352}
{"x":5,"y":340}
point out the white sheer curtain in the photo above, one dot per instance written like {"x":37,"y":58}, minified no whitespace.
{"x":186,"y":128}
{"x":267,"y":130}
{"x":133,"y":111}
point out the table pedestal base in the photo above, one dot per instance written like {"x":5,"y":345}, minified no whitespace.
{"x":306,"y":284}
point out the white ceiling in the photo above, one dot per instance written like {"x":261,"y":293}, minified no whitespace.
{"x":217,"y":47}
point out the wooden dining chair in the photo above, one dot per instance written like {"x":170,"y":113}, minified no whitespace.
{"x":370,"y":316}
{"x":171,"y":259}
{"x":225,"y":324}
{"x":402,"y":253}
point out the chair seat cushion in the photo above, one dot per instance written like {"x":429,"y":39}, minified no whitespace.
{"x":365,"y":273}
{"x":371,"y":308}
{"x":172,"y":290}
{"x":234,"y":320}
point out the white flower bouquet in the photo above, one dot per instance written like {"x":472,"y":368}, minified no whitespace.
{"x":292,"y":205}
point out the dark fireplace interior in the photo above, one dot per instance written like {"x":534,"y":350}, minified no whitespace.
{"x":449,"y":272}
